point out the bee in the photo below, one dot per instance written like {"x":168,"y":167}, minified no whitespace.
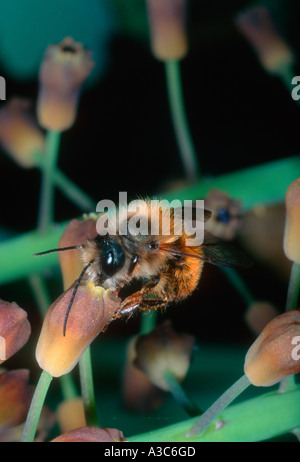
{"x":163,"y":266}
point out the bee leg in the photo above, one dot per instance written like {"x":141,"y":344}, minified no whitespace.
{"x":139,"y":300}
{"x":133,"y":303}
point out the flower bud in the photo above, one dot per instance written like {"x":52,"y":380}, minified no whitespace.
{"x":167,"y":29}
{"x":15,"y":397}
{"x":92,"y":309}
{"x":225,"y":220}
{"x":64,"y":69}
{"x":291,"y":241}
{"x":14,"y":329}
{"x":20,"y":135}
{"x":164,"y":350}
{"x":273,"y":52}
{"x":259,"y":314}
{"x":273,"y":355}
{"x":139,"y":394}
{"x":91,"y":435}
{"x":70,"y":414}
{"x":76,"y":232}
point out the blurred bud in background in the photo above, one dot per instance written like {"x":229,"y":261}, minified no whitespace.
{"x":20,"y":136}
{"x":274,"y":53}
{"x":167,"y":29}
{"x":63,"y":70}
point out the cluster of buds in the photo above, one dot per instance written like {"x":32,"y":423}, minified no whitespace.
{"x":274,"y":354}
{"x":15,"y":391}
{"x":272,"y":50}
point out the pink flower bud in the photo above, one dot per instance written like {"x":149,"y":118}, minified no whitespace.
{"x":273,"y":355}
{"x":164,"y":350}
{"x":70,"y":414}
{"x":91,"y":435}
{"x":291,"y":241}
{"x":92,"y":309}
{"x":14,"y":329}
{"x":167,"y":29}
{"x":139,"y":393}
{"x":15,"y":397}
{"x":20,"y":135}
{"x":259,"y":314}
{"x":76,"y":233}
{"x":272,"y":50}
{"x":64,"y":69}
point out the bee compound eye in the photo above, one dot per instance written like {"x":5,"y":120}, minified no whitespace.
{"x":112,"y":260}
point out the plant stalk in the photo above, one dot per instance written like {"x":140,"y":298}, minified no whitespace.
{"x":36,"y":407}
{"x":182,"y":132}
{"x":87,"y":388}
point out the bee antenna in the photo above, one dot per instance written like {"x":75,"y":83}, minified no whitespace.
{"x":73,"y":247}
{"x":73,"y":295}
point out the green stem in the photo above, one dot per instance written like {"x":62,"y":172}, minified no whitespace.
{"x":238,"y":283}
{"x":47,"y":191}
{"x":73,"y":192}
{"x":68,"y":387}
{"x":180,"y":395}
{"x":293,"y":289}
{"x":40,"y":292}
{"x":222,"y":402}
{"x":184,"y":140}
{"x":36,"y":407}
{"x":258,"y":419}
{"x":148,"y":322}
{"x":87,"y":388}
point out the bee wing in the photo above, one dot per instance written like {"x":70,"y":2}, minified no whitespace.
{"x":215,"y":252}
{"x":224,"y":254}
{"x":193,"y":213}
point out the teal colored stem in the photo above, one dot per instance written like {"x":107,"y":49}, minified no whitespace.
{"x":36,"y":407}
{"x":293,"y":289}
{"x":180,"y":395}
{"x":40,"y":292}
{"x":73,"y":192}
{"x":215,"y":410}
{"x":148,"y":322}
{"x":184,"y":139}
{"x":68,"y":387}
{"x":238,"y":283}
{"x":46,"y":212}
{"x":87,"y":388}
